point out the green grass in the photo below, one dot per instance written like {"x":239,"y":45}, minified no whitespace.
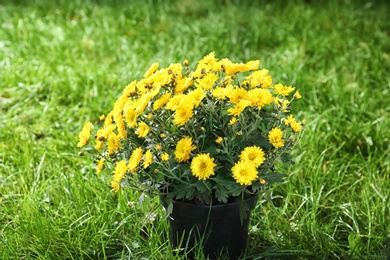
{"x":64,"y":63}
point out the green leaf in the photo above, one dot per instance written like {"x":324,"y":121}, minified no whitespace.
{"x":243,"y":208}
{"x":274,"y":177}
{"x":287,"y":158}
{"x":183,"y":191}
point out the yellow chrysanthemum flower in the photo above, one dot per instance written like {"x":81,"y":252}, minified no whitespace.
{"x":175,"y":101}
{"x":103,"y":133}
{"x":120,"y":125}
{"x":238,"y":108}
{"x":296,"y":127}
{"x":195,"y":97}
{"x":113,"y":143}
{"x":183,"y":149}
{"x":148,"y":159}
{"x":119,"y":171}
{"x":260,"y":97}
{"x":244,"y":172}
{"x":236,"y":95}
{"x":151,"y":70}
{"x":280,"y":89}
{"x":233,"y":120}
{"x":297,"y":95}
{"x":143,"y":129}
{"x":290,"y":121}
{"x":99,"y":165}
{"x":165,"y":157}
{"x":130,"y":89}
{"x":202,"y":166}
{"x":207,"y":82}
{"x":141,"y":103}
{"x":99,"y":144}
{"x":254,"y":155}
{"x":135,"y":159}
{"x":130,"y":116}
{"x":282,"y":103}
{"x":182,"y":85}
{"x":115,"y":186}
{"x":85,"y":134}
{"x":183,"y":113}
{"x":275,"y":136}
{"x":109,"y":119}
{"x":219,"y":140}
{"x":240,"y":67}
{"x":158,"y":147}
{"x":259,"y":78}
{"x":159,"y":103}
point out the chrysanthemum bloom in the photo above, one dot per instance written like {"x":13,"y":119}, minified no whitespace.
{"x":104,"y":132}
{"x":259,"y":78}
{"x":121,"y":127}
{"x":233,"y":120}
{"x":119,"y":171}
{"x":202,"y":166}
{"x":296,"y":127}
{"x":253,"y":154}
{"x":99,"y":165}
{"x":84,"y":134}
{"x":159,"y":103}
{"x":236,"y":95}
{"x":130,"y":89}
{"x":275,"y":136}
{"x":182,"y":85}
{"x":297,"y":95}
{"x":220,"y":93}
{"x":151,"y":70}
{"x":280,"y":89}
{"x":238,"y":108}
{"x":135,"y":158}
{"x":175,"y":101}
{"x":195,"y":97}
{"x":219,"y":140}
{"x":113,"y":143}
{"x":142,"y":103}
{"x":115,"y":186}
{"x":244,"y":172}
{"x":241,"y":67}
{"x":207,"y":82}
{"x":130,"y":116}
{"x":99,"y":144}
{"x":148,"y":159}
{"x":143,"y":129}
{"x":290,"y":121}
{"x":183,"y":113}
{"x":183,"y":149}
{"x":165,"y":157}
{"x":260,"y":97}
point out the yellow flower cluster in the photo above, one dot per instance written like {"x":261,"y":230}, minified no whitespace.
{"x":164,"y":120}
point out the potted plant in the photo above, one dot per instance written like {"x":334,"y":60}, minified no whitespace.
{"x":204,"y":140}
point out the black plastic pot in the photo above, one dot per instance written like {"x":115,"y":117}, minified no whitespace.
{"x":217,"y":228}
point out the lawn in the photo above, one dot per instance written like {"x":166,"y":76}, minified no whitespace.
{"x":63,"y":63}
